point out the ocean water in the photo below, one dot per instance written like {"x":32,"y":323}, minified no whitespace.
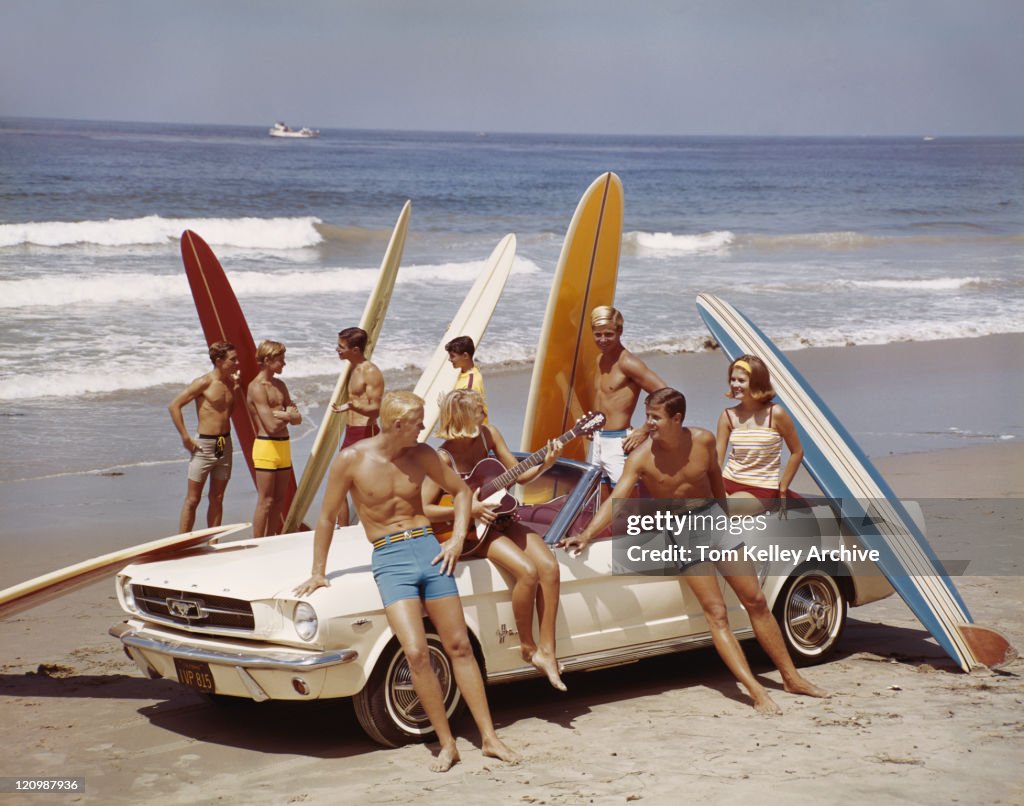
{"x":823,"y":242}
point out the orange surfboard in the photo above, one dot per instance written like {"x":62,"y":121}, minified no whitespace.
{"x":562,"y":387}
{"x":222,"y":320}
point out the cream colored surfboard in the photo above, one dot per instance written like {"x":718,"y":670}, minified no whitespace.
{"x":471,"y":320}
{"x":328,"y":438}
{"x":50,"y":586}
{"x":561,"y":389}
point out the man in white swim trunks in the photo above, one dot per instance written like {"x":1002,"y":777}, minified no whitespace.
{"x":210,"y":449}
{"x":619,"y":378}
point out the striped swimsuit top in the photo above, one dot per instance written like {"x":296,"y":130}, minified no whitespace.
{"x":756,"y":456}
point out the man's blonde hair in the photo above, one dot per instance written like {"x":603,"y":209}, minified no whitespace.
{"x":268,"y":350}
{"x":606,"y":314}
{"x":458,"y":414}
{"x":397,"y":406}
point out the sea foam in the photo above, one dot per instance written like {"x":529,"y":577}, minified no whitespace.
{"x":57,"y":290}
{"x":668,"y":243}
{"x":251,"y":233}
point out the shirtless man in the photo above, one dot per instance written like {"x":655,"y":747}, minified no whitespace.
{"x":272,"y":410}
{"x":682,"y":463}
{"x":619,"y":378}
{"x":214,"y":395}
{"x":365,"y":389}
{"x":385,"y":474}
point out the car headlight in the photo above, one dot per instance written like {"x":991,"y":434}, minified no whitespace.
{"x":305,"y":621}
{"x":128,"y":594}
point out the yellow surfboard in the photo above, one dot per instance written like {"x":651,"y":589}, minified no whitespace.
{"x":328,"y":438}
{"x":42,"y":589}
{"x":562,"y":387}
{"x":472,"y":318}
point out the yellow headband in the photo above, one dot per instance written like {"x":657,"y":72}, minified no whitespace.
{"x":741,"y":364}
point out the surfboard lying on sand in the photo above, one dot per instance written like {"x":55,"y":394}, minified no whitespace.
{"x":222,"y":320}
{"x":325,"y":446}
{"x":471,"y":320}
{"x":44,"y":588}
{"x":868,"y":505}
{"x":561,"y":388}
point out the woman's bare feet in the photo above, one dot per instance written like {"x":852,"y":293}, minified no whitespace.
{"x":496,"y":748}
{"x":801,"y":685}
{"x":549,"y":667}
{"x":446,"y":759}
{"x":764,"y":704}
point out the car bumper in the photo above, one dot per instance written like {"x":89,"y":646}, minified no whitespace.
{"x":258,"y":673}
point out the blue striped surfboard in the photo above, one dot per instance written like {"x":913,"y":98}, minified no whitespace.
{"x":867,"y":504}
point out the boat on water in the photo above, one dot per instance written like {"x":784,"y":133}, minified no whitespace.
{"x":280,"y":129}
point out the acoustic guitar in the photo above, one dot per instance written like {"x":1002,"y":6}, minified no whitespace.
{"x":490,"y":480}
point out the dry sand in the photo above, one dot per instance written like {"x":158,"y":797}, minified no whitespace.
{"x":903,"y":726}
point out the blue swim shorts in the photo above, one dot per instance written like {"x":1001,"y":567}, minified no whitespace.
{"x":402,"y":570}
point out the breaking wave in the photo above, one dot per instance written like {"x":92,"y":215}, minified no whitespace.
{"x":245,"y":233}
{"x":56,"y":290}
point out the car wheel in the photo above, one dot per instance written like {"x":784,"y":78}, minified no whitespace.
{"x":812,"y":614}
{"x":389,"y":710}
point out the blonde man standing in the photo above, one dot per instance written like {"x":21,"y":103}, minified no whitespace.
{"x":385,"y":475}
{"x":272,"y":411}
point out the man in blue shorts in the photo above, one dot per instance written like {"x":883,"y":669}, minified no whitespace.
{"x":385,"y":474}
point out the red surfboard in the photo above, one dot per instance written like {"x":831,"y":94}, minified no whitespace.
{"x":222,"y":320}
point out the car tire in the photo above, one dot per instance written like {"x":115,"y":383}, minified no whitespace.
{"x":389,"y":710}
{"x":811,"y":611}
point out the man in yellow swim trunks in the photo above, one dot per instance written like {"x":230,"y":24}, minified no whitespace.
{"x":272,"y":410}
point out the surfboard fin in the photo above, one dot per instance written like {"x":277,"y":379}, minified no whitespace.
{"x":989,"y":647}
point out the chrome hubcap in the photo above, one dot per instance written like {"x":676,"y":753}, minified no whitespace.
{"x":812,"y":612}
{"x":404,"y":700}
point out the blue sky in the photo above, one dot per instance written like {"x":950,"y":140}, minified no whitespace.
{"x":759,"y":67}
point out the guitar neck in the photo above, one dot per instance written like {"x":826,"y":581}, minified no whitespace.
{"x":508,"y":478}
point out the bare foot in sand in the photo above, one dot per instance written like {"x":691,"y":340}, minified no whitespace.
{"x":446,"y":759}
{"x":496,"y":748}
{"x":549,"y":667}
{"x":765,"y":705}
{"x":801,"y":685}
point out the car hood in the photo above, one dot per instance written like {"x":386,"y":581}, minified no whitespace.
{"x":254,"y":569}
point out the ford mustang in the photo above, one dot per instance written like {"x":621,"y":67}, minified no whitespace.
{"x":224,"y":621}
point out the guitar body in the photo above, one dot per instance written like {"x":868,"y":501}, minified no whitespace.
{"x":501,"y":501}
{"x":490,"y":480}
{"x":486,"y":470}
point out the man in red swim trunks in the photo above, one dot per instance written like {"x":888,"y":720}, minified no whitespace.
{"x":365,"y":390}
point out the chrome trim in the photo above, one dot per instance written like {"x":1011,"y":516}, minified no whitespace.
{"x":252,"y":659}
{"x":144,"y":665}
{"x":196,"y":627}
{"x":619,"y":657}
{"x":255,"y":689}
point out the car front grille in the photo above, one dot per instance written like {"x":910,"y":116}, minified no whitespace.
{"x":194,"y":609}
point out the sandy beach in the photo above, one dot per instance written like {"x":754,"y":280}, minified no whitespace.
{"x":903,"y":725}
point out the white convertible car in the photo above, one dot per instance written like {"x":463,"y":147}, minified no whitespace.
{"x":224,"y":620}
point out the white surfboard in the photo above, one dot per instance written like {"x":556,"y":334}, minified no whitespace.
{"x":34,"y":592}
{"x":328,"y":438}
{"x":866,"y":503}
{"x":472,"y":319}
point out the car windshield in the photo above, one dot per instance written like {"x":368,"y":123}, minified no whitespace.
{"x":559,"y":500}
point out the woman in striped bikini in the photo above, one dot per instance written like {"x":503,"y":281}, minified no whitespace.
{"x":755,"y":429}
